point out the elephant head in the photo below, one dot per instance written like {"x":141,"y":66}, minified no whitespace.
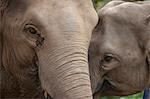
{"x":46,"y":41}
{"x":119,"y":54}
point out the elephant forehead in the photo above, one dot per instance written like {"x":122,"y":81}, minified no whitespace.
{"x":55,"y":16}
{"x":65,"y":13}
{"x":118,"y":36}
{"x":127,"y":14}
{"x":119,"y":31}
{"x":119,"y":39}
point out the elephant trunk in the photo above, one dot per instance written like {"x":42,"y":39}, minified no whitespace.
{"x":65,"y":73}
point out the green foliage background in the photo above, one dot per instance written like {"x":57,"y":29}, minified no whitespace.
{"x":99,"y":4}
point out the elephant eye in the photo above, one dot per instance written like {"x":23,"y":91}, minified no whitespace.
{"x":31,"y":30}
{"x":109,"y":61}
{"x":33,"y":35}
{"x":108,"y":58}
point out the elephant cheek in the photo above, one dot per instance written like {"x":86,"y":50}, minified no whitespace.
{"x":64,"y":74}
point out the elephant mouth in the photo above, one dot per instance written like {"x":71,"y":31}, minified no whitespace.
{"x":103,"y":88}
{"x":107,"y":88}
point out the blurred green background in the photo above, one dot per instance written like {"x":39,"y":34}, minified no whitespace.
{"x":136,"y":96}
{"x":99,"y":4}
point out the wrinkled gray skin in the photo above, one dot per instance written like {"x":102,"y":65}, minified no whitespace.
{"x":44,"y":46}
{"x":119,"y":54}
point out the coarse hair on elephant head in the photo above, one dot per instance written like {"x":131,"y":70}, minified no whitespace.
{"x":44,"y":46}
{"x":119,"y":53}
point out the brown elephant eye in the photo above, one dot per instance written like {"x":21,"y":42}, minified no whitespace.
{"x":31,"y":29}
{"x":34,"y":35}
{"x":108,"y":58}
{"x":109,"y":61}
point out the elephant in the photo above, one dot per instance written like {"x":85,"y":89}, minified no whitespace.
{"x":44,"y":48}
{"x":119,"y":53}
